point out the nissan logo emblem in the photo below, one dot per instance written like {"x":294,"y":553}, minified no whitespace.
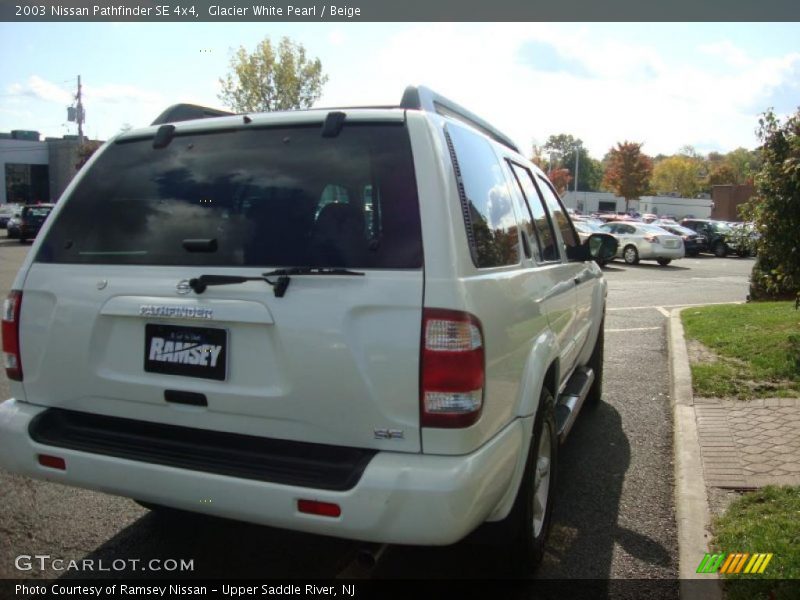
{"x":183,"y":287}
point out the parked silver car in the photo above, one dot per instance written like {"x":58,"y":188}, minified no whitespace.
{"x":12,"y":225}
{"x":640,"y":241}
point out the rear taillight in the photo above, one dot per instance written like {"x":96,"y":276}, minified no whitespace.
{"x":452,"y":370}
{"x":11,"y":355}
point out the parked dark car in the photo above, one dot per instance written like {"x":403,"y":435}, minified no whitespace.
{"x":31,"y":220}
{"x":694,"y":243}
{"x":719,"y":235}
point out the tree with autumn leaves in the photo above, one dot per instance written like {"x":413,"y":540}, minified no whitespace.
{"x":628,"y":171}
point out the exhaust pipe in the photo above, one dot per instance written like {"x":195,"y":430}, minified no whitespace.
{"x":369,"y":555}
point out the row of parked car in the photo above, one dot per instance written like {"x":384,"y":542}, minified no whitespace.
{"x":665,"y":240}
{"x":23,"y":221}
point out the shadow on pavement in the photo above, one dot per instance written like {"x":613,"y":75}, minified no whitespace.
{"x":592,"y":470}
{"x":219,"y":548}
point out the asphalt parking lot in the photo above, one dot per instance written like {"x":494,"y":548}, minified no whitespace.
{"x":614,"y":514}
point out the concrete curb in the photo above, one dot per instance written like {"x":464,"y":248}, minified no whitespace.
{"x":691,"y":502}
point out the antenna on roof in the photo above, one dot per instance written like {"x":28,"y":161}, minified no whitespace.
{"x":423,"y":98}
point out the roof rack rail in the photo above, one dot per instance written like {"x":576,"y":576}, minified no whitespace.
{"x":187,"y":112}
{"x":423,"y":98}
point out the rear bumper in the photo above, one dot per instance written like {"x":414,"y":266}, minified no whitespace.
{"x":401,"y":498}
{"x":652,"y":252}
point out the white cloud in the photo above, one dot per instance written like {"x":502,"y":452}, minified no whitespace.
{"x":119,"y":94}
{"x":620,"y":89}
{"x":39,"y":88}
{"x":337,"y":37}
{"x":729,"y":52}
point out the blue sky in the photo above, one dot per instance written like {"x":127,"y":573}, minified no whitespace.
{"x":667,"y":85}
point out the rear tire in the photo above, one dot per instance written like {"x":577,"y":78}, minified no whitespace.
{"x":720,"y":250}
{"x":528,"y":523}
{"x":631,"y":255}
{"x":664,"y":261}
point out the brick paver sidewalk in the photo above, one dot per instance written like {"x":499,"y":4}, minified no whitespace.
{"x":749,"y":444}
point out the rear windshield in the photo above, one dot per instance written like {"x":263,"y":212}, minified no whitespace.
{"x":38,"y":212}
{"x":262,"y":197}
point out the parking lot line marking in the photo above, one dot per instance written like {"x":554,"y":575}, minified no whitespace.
{"x":670,"y":306}
{"x":663,"y":311}
{"x":632,"y":329}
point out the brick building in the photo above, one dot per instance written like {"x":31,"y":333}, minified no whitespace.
{"x":727,"y":199}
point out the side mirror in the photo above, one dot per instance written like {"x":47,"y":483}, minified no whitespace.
{"x":602,"y":246}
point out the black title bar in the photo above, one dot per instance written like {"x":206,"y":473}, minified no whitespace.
{"x":401,"y":10}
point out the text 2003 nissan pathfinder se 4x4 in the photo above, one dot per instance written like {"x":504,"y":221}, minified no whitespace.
{"x":372,"y":323}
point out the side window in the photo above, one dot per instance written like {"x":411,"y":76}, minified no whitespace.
{"x":559,"y":213}
{"x":545,"y":236}
{"x":525,"y":217}
{"x":486,"y":201}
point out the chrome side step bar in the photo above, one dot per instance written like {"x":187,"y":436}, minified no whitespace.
{"x":571,"y":399}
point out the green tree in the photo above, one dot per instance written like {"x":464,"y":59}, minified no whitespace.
{"x":775,"y":208}
{"x":743,"y":163}
{"x":563,"y":148}
{"x":628,"y":171}
{"x":272,"y":79}
{"x":722,"y":174}
{"x":679,"y":174}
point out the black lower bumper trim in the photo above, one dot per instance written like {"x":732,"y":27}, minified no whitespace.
{"x":317,"y":466}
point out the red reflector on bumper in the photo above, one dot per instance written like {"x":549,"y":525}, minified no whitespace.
{"x":314,"y":507}
{"x":54,"y":462}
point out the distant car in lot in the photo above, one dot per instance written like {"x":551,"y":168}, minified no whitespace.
{"x":31,"y":219}
{"x":640,"y":241}
{"x":720,"y":236}
{"x":746,"y":238}
{"x":6,"y":212}
{"x":587,"y":219}
{"x":693,"y":243}
{"x":585,"y":229}
{"x":12,"y":225}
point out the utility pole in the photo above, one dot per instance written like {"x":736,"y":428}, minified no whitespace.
{"x":576,"y":169}
{"x":79,"y":113}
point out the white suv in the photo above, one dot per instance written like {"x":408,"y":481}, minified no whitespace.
{"x":372,"y":323}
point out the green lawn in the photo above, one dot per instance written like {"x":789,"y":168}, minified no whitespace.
{"x":764,"y":521}
{"x":757,"y":345}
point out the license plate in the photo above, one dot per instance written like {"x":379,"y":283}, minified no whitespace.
{"x":188,"y":351}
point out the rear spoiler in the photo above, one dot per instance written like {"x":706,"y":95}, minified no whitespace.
{"x":187,"y":112}
{"x":425,"y":99}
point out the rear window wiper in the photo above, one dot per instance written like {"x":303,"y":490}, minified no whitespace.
{"x":199,"y":284}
